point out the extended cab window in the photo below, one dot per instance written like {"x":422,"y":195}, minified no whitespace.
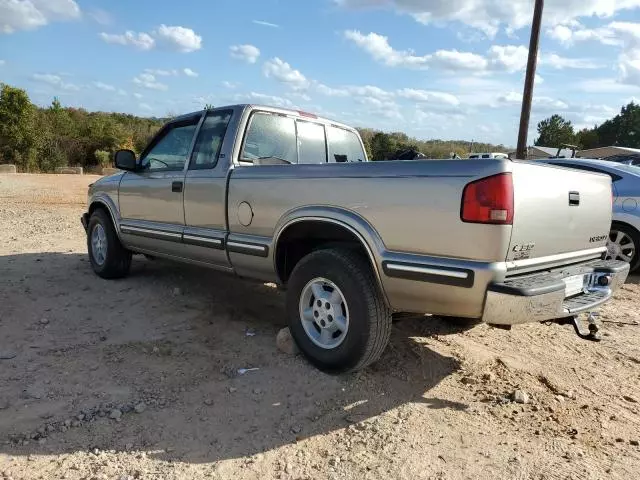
{"x":344,"y":145}
{"x":170,"y":149}
{"x":271,"y":138}
{"x":312,"y":146}
{"x":209,"y":142}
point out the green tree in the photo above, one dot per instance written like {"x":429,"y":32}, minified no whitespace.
{"x":555,"y":131}
{"x":383,"y":146}
{"x":588,"y":138}
{"x":17,"y":133}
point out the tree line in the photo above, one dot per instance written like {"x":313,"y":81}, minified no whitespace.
{"x":40,"y":139}
{"x":622,"y":130}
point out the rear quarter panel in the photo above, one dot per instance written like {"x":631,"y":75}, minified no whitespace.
{"x":406,"y":211}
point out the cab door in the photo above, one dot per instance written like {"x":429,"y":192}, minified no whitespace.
{"x":205,"y":187}
{"x":151,"y":199}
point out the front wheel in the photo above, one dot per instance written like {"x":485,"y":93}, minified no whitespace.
{"x":336,"y":312}
{"x":109,"y":259}
{"x":623,"y":244}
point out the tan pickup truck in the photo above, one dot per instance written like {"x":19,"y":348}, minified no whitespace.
{"x":287,"y":197}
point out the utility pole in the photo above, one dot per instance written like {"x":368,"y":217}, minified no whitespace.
{"x":527,"y":95}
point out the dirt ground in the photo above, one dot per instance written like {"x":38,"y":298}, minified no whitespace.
{"x":138,"y":378}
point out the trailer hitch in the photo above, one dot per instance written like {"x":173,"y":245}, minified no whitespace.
{"x":593,"y":335}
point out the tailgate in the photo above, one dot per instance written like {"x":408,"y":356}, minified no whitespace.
{"x":558,"y":213}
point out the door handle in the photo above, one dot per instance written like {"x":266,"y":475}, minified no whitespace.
{"x":574,"y":199}
{"x":176,"y":186}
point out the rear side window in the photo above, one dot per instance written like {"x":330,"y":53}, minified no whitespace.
{"x":312,"y":146}
{"x":270,"y":137}
{"x":344,"y":145}
{"x":209,"y":142}
{"x":486,"y":155}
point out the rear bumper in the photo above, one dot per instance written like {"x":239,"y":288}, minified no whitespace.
{"x":542,"y":296}
{"x":85,"y":221}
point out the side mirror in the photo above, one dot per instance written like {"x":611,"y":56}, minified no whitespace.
{"x":126,"y":160}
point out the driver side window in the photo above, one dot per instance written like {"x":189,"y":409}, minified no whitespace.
{"x":169,"y":153}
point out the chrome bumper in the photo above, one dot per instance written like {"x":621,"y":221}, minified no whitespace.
{"x":541,"y":297}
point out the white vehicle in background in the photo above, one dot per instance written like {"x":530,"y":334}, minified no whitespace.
{"x":624,"y":237}
{"x":489,"y":155}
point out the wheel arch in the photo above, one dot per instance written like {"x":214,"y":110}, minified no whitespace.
{"x":105,"y":204}
{"x":317,"y":227}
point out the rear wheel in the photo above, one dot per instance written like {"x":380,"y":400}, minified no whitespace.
{"x":109,"y":259}
{"x":336,"y":312}
{"x":623,"y":244}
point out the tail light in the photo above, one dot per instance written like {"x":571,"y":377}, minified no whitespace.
{"x":489,"y":200}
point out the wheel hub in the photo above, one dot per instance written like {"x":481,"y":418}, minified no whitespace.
{"x":99,"y":244}
{"x":324,"y":313}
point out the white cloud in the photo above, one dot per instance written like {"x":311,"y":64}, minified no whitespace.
{"x":539,"y":103}
{"x":604,"y":85}
{"x":122,"y":92}
{"x":330,"y":91}
{"x":453,"y":60}
{"x":263,"y":98}
{"x":189,"y":73}
{"x":509,"y":58}
{"x":104,"y":86}
{"x":55,"y":80}
{"x":161,"y":72}
{"x":247,"y":53}
{"x":2,"y":62}
{"x":378,"y":47}
{"x":428,"y":96}
{"x":141,"y":41}
{"x":301,"y":96}
{"x":229,"y":85}
{"x":629,"y":66}
{"x":137,"y":95}
{"x":489,"y":16}
{"x":30,"y":14}
{"x":265,"y":24}
{"x":181,"y":39}
{"x":147,"y":80}
{"x":145,"y":106}
{"x":178,"y":38}
{"x":283,"y":72}
{"x":559,"y":63}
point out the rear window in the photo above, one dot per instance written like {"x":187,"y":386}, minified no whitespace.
{"x":344,"y":145}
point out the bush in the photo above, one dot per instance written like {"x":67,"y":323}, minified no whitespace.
{"x":103,"y":158}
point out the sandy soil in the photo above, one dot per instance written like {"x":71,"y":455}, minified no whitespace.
{"x":138,"y":378}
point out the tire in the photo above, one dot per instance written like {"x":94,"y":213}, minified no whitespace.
{"x":632,"y":234}
{"x":111,"y":262}
{"x":368,"y":319}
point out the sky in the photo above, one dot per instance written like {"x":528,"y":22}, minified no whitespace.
{"x":450,"y":69}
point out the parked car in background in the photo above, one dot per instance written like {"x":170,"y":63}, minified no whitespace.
{"x":489,"y":155}
{"x":630,"y":159}
{"x":624,"y":238}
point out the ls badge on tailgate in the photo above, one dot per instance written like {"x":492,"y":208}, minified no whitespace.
{"x":523,"y":251}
